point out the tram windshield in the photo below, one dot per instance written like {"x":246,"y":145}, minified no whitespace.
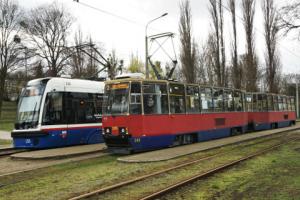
{"x":29,"y":106}
{"x":116,"y":99}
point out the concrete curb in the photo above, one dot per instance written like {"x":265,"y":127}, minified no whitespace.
{"x":175,"y":152}
{"x":60,"y":153}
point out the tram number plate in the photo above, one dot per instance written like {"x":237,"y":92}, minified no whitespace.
{"x":27,"y":141}
{"x":137,"y":140}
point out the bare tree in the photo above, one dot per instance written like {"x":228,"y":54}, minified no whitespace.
{"x":113,"y":64}
{"x":216,"y":12}
{"x":222,"y":45}
{"x":37,"y":70}
{"x":201,"y":75}
{"x":135,"y":64}
{"x":236,"y":71}
{"x":251,"y":65}
{"x":93,"y":60}
{"x":188,"y":49}
{"x":210,"y":59}
{"x":271,"y":39}
{"x":48,"y":27}
{"x":78,"y":59}
{"x":10,"y":49}
{"x":289,"y":18}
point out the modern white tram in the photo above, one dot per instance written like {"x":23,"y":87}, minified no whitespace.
{"x":57,"y":112}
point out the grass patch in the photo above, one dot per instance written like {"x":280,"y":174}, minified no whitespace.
{"x":6,"y":126}
{"x":275,"y":175}
{"x":8,"y":116}
{"x":5,"y":142}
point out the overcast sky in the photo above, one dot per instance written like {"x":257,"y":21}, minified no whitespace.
{"x":120,"y":25}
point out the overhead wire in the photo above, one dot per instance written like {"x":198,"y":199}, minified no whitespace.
{"x":113,"y":14}
{"x":110,"y":13}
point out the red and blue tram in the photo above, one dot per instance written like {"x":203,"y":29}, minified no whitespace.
{"x":268,"y":111}
{"x":58,"y":112}
{"x":141,"y":115}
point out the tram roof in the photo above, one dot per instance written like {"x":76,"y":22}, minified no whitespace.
{"x":166,"y":81}
{"x":176,"y":82}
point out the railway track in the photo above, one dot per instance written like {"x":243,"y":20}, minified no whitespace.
{"x":160,"y":193}
{"x":210,"y":172}
{"x":10,"y":151}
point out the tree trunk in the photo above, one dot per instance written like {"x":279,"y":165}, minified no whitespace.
{"x":2,"y":87}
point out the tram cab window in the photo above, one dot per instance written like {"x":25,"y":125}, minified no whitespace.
{"x":218,"y":100}
{"x":53,"y":109}
{"x":206,"y":100}
{"x":155,"y":98}
{"x":270,"y":103}
{"x":116,"y":99}
{"x":177,"y":104}
{"x":135,"y":106}
{"x":228,"y":100}
{"x":192,"y":99}
{"x":248,"y":99}
{"x":238,"y":100}
{"x":275,"y":101}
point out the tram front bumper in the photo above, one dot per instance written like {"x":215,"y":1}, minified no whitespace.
{"x":117,"y":140}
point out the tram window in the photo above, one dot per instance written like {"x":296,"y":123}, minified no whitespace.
{"x":218,"y":100}
{"x":275,"y":101}
{"x":206,"y":100}
{"x":192,"y":99}
{"x":280,"y":103}
{"x":248,"y":98}
{"x":283,"y":103}
{"x":270,"y":103}
{"x":53,"y":109}
{"x":83,"y":107}
{"x":135,"y":99}
{"x":264,"y":105}
{"x":288,"y":101}
{"x":155,"y":98}
{"x":98,"y":99}
{"x":228,"y":100}
{"x":259,"y":102}
{"x":254,"y":102}
{"x":177,"y":104}
{"x":238,"y":100}
{"x":293,"y":103}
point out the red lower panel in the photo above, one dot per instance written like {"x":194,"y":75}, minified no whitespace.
{"x":154,"y":125}
{"x":270,"y":117}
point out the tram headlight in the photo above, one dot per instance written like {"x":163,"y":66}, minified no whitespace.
{"x":107,"y":130}
{"x":123,"y":131}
